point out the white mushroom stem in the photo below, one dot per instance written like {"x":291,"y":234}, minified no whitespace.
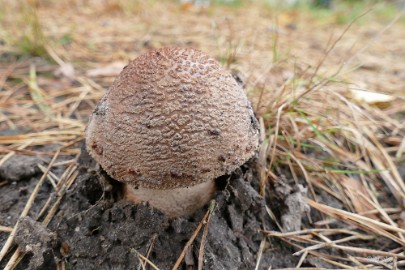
{"x":173,"y":202}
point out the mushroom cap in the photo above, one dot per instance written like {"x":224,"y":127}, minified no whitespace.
{"x":172,"y":118}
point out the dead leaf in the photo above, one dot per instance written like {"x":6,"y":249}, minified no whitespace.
{"x":369,"y":97}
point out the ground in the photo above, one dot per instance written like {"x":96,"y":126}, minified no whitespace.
{"x":324,"y":190}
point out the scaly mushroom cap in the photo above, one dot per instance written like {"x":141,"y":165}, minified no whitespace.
{"x":173,"y":118}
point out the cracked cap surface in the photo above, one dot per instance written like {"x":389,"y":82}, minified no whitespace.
{"x":172,"y":118}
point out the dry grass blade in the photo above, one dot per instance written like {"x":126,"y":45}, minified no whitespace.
{"x":211,"y":210}
{"x":303,"y":257}
{"x":44,"y":137}
{"x":379,"y":261}
{"x":148,"y":261}
{"x":330,"y":259}
{"x":71,"y":177}
{"x":392,"y":178}
{"x":51,"y":177}
{"x":29,"y":152}
{"x":149,"y":250}
{"x":260,"y":253}
{"x":5,"y":229}
{"x":191,"y":240}
{"x":327,"y":244}
{"x":312,"y":231}
{"x":261,"y":164}
{"x":11,"y":153}
{"x":14,"y":260}
{"x":38,"y":95}
{"x":360,"y":221}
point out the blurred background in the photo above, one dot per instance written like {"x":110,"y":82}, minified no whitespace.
{"x":263,"y":41}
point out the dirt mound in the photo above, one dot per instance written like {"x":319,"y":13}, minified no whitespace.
{"x":103,"y":231}
{"x":95,"y":229}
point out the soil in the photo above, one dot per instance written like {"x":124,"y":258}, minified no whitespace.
{"x":94,"y":228}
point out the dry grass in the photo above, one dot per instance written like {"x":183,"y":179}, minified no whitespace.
{"x":299,"y":74}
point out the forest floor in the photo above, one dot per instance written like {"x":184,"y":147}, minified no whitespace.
{"x":325,"y":191}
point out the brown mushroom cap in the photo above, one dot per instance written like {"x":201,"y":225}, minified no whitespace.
{"x":173,"y":118}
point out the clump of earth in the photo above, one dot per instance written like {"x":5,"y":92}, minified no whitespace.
{"x":94,"y":228}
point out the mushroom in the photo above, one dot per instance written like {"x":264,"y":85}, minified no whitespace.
{"x":172,"y":122}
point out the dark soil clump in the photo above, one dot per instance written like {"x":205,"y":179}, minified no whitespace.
{"x":95,"y":228}
{"x":105,"y":232}
{"x":33,"y":238}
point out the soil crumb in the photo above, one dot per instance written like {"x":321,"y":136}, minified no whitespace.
{"x":296,"y":207}
{"x":19,"y":167}
{"x":33,"y":238}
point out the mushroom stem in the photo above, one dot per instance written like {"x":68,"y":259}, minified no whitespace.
{"x":173,"y":202}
